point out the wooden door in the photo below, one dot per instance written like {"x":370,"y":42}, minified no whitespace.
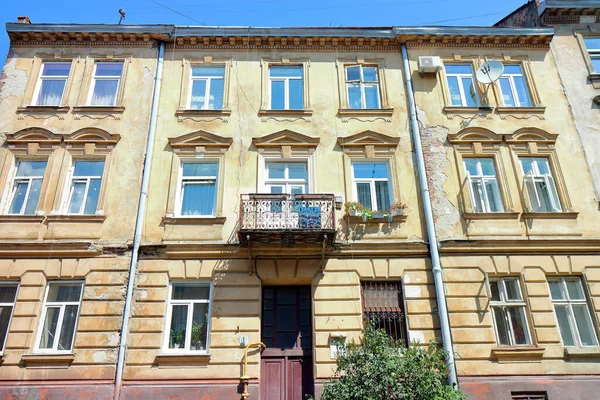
{"x":286,"y":330}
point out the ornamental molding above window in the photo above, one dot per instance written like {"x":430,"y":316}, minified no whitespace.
{"x":369,"y":144}
{"x":199,"y":142}
{"x":286,"y":143}
{"x":91,"y":141}
{"x":531,"y":134}
{"x":470,"y":135}
{"x":33,"y":141}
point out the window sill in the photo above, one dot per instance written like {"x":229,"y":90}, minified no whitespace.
{"x":467,"y":110}
{"x":76,"y":218}
{"x":520,"y":110}
{"x":56,"y":360}
{"x":582,"y":352}
{"x":58,"y":109}
{"x":194,"y":220}
{"x":179,"y":360}
{"x":190,"y":111}
{"x":15,"y":218}
{"x":518,"y":353}
{"x":99,"y":109}
{"x":303,"y":112}
{"x":357,"y":219}
{"x":366,"y":112}
{"x":490,"y":215}
{"x":550,"y":215}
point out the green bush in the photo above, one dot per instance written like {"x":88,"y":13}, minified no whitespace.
{"x":380,"y":369}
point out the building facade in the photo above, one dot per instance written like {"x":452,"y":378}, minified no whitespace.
{"x":283,"y":209}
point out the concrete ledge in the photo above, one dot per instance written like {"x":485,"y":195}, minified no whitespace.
{"x":518,"y":354}
{"x":194,"y":220}
{"x":582,"y":352}
{"x":179,"y":360}
{"x":47,"y":360}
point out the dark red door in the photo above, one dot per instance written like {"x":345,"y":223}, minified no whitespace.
{"x":286,"y":363}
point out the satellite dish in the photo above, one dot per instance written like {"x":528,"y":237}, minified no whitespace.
{"x":489,"y":72}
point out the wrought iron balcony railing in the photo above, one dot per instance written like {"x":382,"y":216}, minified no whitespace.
{"x":299,"y":216}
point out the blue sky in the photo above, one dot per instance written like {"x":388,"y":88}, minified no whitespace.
{"x":274,"y":13}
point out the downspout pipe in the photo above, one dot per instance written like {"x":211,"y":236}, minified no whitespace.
{"x":431,"y":235}
{"x":139,"y":224}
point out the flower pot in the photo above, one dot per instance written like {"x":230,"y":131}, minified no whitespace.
{"x":364,"y":218}
{"x":390,"y":217}
{"x":352,"y":213}
{"x":378,"y":214}
{"x":398,"y":211}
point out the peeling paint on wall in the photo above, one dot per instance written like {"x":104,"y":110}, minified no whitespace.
{"x":13,"y":81}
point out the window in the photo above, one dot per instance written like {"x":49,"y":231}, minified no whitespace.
{"x":383,"y":304}
{"x":26,"y":187}
{"x":483,"y":185}
{"x":462,"y":86}
{"x":508,"y":311}
{"x":198,"y":188}
{"x":85,"y":187}
{"x":286,"y":88}
{"x":362,"y":86}
{"x":188,"y":317}
{"x":59,"y":316}
{"x":51,"y":84}
{"x":372,"y":185}
{"x":539,"y":185}
{"x":572,"y":311}
{"x":514,"y":87}
{"x":286,"y":177}
{"x":592,"y":45}
{"x":207,"y":88}
{"x":105,"y":84}
{"x":8,"y":295}
{"x":529,"y":396}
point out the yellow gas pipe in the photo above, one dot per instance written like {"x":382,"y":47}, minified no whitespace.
{"x":245,"y":378}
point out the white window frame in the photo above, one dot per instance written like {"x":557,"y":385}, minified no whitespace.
{"x":105,"y":77}
{"x":482,"y":179}
{"x":286,"y":85}
{"x":513,"y":87}
{"x":41,"y":78}
{"x":567,"y":301}
{"x":371,"y":182}
{"x":190,"y":315}
{"x":536,"y":177}
{"x":594,"y":53}
{"x":71,"y":186}
{"x":505,"y":303}
{"x":12,"y":187}
{"x":459,"y":77}
{"x":208,"y":80}
{"x":362,"y":84}
{"x":197,"y":179}
{"x":13,"y":305}
{"x":62,"y":306}
{"x":286,"y":181}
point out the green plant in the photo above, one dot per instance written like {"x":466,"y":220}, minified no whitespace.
{"x":198,"y":335}
{"x":176,"y":338}
{"x":353,"y":206}
{"x":397,"y":206}
{"x":380,"y":369}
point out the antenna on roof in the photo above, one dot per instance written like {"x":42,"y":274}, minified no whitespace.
{"x":122,"y":12}
{"x":489,"y":73}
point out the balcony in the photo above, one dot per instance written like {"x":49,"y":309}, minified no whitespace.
{"x":287,"y":219}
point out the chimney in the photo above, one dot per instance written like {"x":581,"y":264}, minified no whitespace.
{"x":23,"y":19}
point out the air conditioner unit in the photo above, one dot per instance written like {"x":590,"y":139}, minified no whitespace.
{"x":429,"y":64}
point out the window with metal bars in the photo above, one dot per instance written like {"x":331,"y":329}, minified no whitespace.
{"x":529,"y":396}
{"x":383,"y":304}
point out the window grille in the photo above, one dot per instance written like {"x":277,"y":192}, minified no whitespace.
{"x":382,"y":303}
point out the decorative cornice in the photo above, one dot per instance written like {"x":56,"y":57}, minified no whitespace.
{"x":298,"y":39}
{"x":570,"y":12}
{"x":517,"y":246}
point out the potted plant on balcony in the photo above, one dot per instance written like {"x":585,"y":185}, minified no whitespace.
{"x":366,"y":214}
{"x":354,"y":208}
{"x":379,"y":214}
{"x":397,"y":208}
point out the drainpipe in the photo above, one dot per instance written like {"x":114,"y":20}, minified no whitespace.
{"x":139,"y":224}
{"x":431,"y":235}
